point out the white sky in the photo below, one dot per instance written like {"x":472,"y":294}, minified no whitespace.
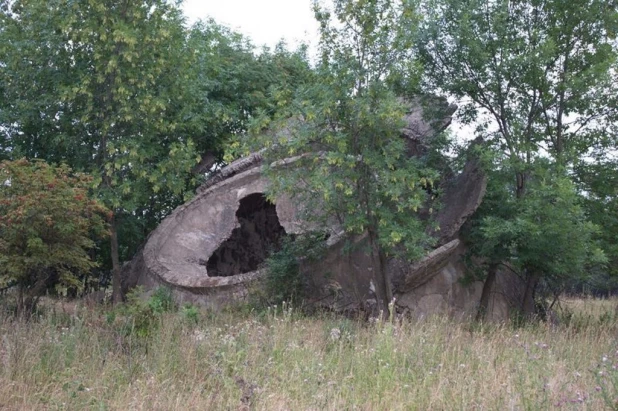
{"x":265,"y":22}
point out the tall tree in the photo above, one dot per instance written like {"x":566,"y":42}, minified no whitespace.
{"x":599,"y":181}
{"x":230,"y":83}
{"x":538,"y":78}
{"x":98,"y":84}
{"x":344,"y":126}
{"x":544,"y":237}
{"x":540,"y":71}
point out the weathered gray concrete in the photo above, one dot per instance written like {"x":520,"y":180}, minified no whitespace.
{"x":434,"y":285}
{"x":176,"y":254}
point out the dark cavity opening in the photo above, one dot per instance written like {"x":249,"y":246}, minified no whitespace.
{"x":259,"y":235}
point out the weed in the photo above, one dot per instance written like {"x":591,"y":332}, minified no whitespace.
{"x":282,"y":359}
{"x":191,"y":313}
{"x":284,"y":280}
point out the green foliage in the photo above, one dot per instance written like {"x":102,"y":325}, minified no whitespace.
{"x":191,"y":313}
{"x":140,"y":316}
{"x":47,"y":224}
{"x":539,"y":70}
{"x":546,"y":231}
{"x":100,"y":86}
{"x":537,"y":79}
{"x":345,"y":126}
{"x":544,"y":236}
{"x":229,"y":84}
{"x":110,"y":96}
{"x":284,"y":276}
{"x":126,"y":92}
{"x":599,"y":180}
{"x":162,"y":301}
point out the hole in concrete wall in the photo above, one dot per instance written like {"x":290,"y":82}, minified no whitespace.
{"x":259,"y":234}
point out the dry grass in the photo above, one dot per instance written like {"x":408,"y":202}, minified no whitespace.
{"x":279,"y":360}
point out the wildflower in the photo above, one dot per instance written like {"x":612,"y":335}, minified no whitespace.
{"x":335,"y":334}
{"x":199,"y":335}
{"x":229,"y":340}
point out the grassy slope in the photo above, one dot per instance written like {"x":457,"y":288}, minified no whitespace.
{"x":276,"y":361}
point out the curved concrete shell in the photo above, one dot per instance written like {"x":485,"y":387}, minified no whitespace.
{"x":209,"y":250}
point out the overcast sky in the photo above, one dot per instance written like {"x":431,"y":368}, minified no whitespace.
{"x":264,"y":21}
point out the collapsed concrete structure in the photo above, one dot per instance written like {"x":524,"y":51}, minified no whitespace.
{"x":211,"y":249}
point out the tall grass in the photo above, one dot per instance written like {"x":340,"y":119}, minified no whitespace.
{"x":281,"y":360}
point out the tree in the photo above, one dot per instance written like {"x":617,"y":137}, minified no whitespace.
{"x":344,"y":127}
{"x":125,"y":92}
{"x":537,"y":77}
{"x":100,"y":85}
{"x":599,"y":181}
{"x":545,"y":237}
{"x":230,"y":84}
{"x":47,"y":225}
{"x":541,"y":72}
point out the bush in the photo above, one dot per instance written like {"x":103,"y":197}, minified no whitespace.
{"x":140,"y":316}
{"x":162,"y":301}
{"x":284,"y":281}
{"x":191,"y":313}
{"x":47,"y":226}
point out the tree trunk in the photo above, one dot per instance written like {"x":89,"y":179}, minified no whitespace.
{"x":28,"y":299}
{"x":117,"y":294}
{"x":486,"y":294}
{"x":528,"y":307}
{"x":384,"y":292}
{"x":386,"y":279}
{"x":521,"y":178}
{"x":20,"y":302}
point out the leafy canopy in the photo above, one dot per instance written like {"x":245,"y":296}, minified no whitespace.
{"x":538,"y":80}
{"x":348,"y":165}
{"x":345,"y":127}
{"x":47,"y":225}
{"x":538,"y":75}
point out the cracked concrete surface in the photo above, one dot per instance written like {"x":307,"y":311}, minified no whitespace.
{"x":209,"y":250}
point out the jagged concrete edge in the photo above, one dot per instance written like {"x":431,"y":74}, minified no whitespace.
{"x":239,"y":169}
{"x":462,"y":197}
{"x":420,"y":273}
{"x":234,"y":168}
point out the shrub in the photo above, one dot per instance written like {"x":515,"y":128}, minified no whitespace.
{"x":191,"y":313}
{"x":284,"y":280}
{"x":47,"y":226}
{"x":140,"y":316}
{"x":162,"y":301}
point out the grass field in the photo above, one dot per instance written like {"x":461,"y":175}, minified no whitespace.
{"x":281,"y":360}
